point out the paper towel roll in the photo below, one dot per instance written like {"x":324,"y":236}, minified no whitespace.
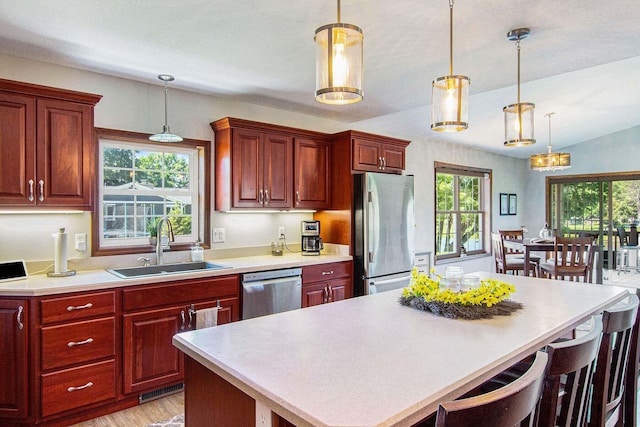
{"x":60,"y":252}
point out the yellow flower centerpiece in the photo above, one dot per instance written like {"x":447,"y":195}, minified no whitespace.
{"x":487,"y":300}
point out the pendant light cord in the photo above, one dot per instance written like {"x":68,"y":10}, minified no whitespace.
{"x":450,"y":37}
{"x":166,"y":91}
{"x":338,"y":11}
{"x":548,"y":115}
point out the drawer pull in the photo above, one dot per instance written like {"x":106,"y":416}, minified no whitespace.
{"x":327,"y":273}
{"x":74,"y":343}
{"x":79,"y":307}
{"x":19,"y":318}
{"x":82,"y":387}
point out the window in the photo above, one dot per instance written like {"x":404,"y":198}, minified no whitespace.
{"x":139,"y":182}
{"x":462,"y":214}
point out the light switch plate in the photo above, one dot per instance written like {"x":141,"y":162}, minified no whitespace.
{"x":218,"y":235}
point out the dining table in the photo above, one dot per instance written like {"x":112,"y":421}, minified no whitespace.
{"x":528,"y":246}
{"x":369,"y":360}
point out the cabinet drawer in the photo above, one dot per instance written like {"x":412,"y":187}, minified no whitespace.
{"x":315,"y":273}
{"x":73,"y":388}
{"x":78,"y":342}
{"x":180,"y":292}
{"x":77,"y":307}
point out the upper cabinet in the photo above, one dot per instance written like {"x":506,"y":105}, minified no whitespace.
{"x":46,"y":135}
{"x":373,"y":153}
{"x":256,"y":167}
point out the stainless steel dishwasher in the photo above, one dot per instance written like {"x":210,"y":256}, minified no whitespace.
{"x":269,"y":292}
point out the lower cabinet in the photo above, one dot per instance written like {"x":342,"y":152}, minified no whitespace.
{"x":14,"y":357}
{"x":150,"y":360}
{"x":325,"y":283}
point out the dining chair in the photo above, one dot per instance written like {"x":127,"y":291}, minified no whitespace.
{"x":572,"y":259}
{"x":511,"y":405}
{"x":505,"y":264}
{"x":625,"y":251}
{"x":568,"y":378}
{"x":633,"y":370}
{"x":518,"y":236}
{"x":608,"y":385}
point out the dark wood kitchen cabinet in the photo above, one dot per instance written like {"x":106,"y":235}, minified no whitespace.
{"x":154,"y":313}
{"x":47,"y":140}
{"x":254,"y":166}
{"x":373,"y":153}
{"x":312,"y":175}
{"x":325,"y":283}
{"x":14,"y":356}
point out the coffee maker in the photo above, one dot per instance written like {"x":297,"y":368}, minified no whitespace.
{"x":311,"y":241}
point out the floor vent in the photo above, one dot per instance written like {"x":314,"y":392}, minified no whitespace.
{"x":161,"y":392}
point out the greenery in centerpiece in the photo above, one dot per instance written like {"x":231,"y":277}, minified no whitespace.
{"x":487,"y":300}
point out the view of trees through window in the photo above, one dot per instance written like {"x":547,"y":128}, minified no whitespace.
{"x":139,"y":186}
{"x":460,"y":212}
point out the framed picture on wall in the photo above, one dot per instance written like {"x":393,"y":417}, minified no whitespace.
{"x":504,"y":204}
{"x":513,"y":204}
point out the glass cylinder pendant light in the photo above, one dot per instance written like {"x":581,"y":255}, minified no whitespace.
{"x":450,"y":95}
{"x":550,"y":162}
{"x":339,"y":63}
{"x":518,"y":118}
{"x":165,"y":135}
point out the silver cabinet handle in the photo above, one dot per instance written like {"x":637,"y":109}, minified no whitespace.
{"x":79,"y":307}
{"x":75,"y":343}
{"x":183,"y":319}
{"x":330,"y":293}
{"x":327,"y":273}
{"x":31,"y":190}
{"x":87,"y":385}
{"x":260,"y":197}
{"x":41,"y":198}
{"x":266,"y":197}
{"x":297,"y":197}
{"x":325,"y":295}
{"x":192,"y":311}
{"x":19,"y":318}
{"x":384,"y":163}
{"x":380,"y":163}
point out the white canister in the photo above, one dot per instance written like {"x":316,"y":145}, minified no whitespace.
{"x":197,"y":253}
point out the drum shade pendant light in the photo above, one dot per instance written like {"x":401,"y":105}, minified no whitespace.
{"x":518,"y":118}
{"x":166,"y":135}
{"x":339,"y":63}
{"x":550,"y":162}
{"x":450,"y":95}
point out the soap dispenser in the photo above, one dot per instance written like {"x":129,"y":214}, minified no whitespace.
{"x":197,"y":253}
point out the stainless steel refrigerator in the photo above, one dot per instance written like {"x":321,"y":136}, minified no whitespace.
{"x":383,"y":232}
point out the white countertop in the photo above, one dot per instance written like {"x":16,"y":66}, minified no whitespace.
{"x":87,"y":280}
{"x":369,"y":361}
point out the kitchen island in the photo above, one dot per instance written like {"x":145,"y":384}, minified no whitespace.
{"x":369,"y":361}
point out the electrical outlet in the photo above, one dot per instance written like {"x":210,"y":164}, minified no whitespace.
{"x":81,"y":242}
{"x":280,"y":232}
{"x":218,"y":235}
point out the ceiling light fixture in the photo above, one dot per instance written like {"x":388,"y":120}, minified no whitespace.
{"x":450,"y":95}
{"x":339,"y":63}
{"x":550,"y":161}
{"x":518,"y":118}
{"x":166,"y":135}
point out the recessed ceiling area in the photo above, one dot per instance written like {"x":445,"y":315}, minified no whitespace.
{"x":581,"y":61}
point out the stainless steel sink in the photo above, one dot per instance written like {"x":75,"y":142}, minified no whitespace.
{"x":158,"y":270}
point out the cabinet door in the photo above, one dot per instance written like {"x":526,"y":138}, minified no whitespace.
{"x":314,"y":294}
{"x":14,"y":354}
{"x":340,"y":289}
{"x":277,"y":161}
{"x":150,"y":360}
{"x":64,"y":153}
{"x":311,"y":174}
{"x":393,"y":158}
{"x":17,"y":139}
{"x":367,"y":155}
{"x":247,"y":177}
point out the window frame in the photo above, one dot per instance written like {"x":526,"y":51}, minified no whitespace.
{"x":485,"y":210}
{"x":202,"y":209}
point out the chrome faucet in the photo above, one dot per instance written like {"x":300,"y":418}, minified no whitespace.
{"x":160,"y":248}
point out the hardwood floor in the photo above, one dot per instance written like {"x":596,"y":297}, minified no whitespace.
{"x":141,"y":415}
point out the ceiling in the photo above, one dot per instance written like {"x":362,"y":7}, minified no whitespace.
{"x":582,"y":60}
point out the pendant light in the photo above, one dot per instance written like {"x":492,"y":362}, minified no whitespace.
{"x":339,"y":63}
{"x":550,"y":161}
{"x":166,"y":135}
{"x":518,"y":118}
{"x":450,"y":95}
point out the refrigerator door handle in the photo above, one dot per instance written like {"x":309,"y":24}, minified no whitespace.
{"x":373,"y":233}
